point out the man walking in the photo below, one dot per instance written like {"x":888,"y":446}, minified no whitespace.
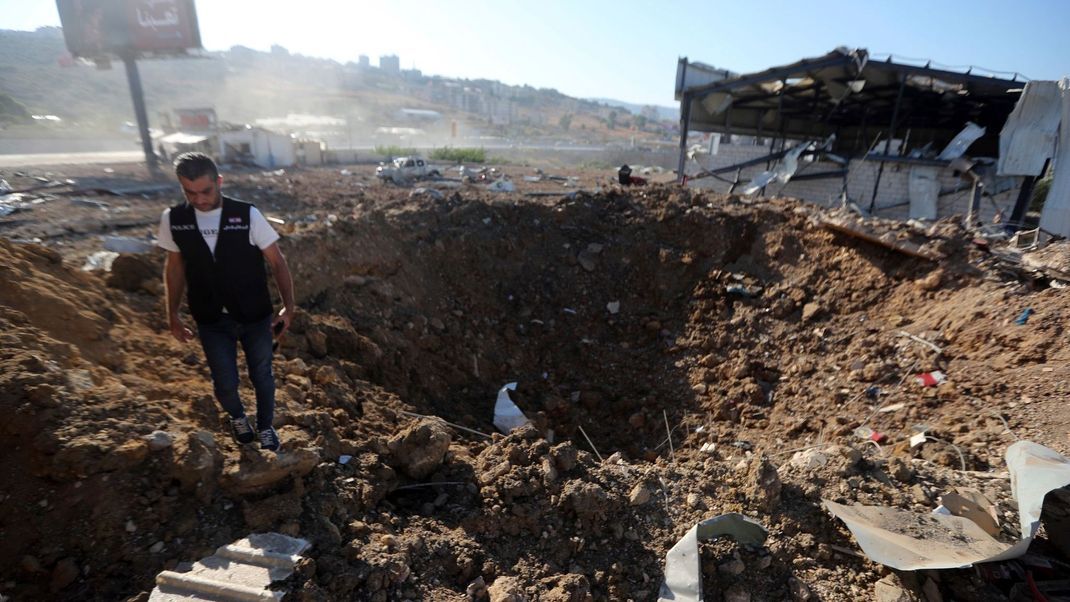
{"x":216,"y":251}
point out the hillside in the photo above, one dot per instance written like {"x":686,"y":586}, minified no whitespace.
{"x":244,"y":85}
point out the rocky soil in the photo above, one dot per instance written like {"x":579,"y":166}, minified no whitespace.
{"x":680,"y":355}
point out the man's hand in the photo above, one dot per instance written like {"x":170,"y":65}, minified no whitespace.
{"x":179,"y":330}
{"x":282,"y":322}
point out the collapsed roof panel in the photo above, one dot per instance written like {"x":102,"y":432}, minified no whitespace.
{"x":845,"y":93}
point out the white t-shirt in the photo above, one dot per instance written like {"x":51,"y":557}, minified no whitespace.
{"x":261,"y":233}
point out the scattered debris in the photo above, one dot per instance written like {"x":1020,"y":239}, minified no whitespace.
{"x":430,"y":193}
{"x":91,"y":203}
{"x":908,"y":541}
{"x":931,"y":379}
{"x":101,"y":260}
{"x":625,"y":177}
{"x":125,"y":244}
{"x":501,"y":185}
{"x":918,"y":339}
{"x":858,"y":228}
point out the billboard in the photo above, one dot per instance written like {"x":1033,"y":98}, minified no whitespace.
{"x":100,"y":28}
{"x":196,"y":119}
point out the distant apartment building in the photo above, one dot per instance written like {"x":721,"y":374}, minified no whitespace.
{"x":364,"y":62}
{"x":475,"y":100}
{"x":390,"y":63}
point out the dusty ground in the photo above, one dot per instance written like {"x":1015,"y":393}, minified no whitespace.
{"x":742,"y":325}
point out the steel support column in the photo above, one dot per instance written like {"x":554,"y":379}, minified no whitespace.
{"x":888,"y":143}
{"x":685,"y":125}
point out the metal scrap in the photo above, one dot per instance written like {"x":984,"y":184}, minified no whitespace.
{"x":958,"y":145}
{"x":909,"y":541}
{"x":1027,"y":140}
{"x":683,"y":565}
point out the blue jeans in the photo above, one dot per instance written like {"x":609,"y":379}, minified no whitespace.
{"x":220,"y":343}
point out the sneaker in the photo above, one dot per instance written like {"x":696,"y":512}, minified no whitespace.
{"x":243,"y":430}
{"x":269,"y":439}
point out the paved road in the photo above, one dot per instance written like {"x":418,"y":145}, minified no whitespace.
{"x":71,"y":158}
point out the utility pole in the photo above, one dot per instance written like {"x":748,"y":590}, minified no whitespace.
{"x":138,"y":96}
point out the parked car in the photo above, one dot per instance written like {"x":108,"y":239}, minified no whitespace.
{"x":406,"y":169}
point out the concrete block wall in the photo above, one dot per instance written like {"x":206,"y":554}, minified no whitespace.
{"x":892,"y":197}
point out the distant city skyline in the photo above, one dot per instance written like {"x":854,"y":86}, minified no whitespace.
{"x":625,"y":50}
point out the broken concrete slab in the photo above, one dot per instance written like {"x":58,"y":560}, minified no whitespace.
{"x":243,"y":570}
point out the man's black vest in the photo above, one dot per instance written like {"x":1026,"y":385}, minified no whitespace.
{"x":235,"y":278}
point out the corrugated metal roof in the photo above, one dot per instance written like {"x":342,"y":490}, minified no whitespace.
{"x":1028,"y":137}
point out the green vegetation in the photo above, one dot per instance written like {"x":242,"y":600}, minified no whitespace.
{"x":12,"y":110}
{"x":459,"y":155}
{"x":394,"y":151}
{"x":1040,"y":194}
{"x":565,"y":122}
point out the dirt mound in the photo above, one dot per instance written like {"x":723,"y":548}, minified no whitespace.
{"x":675,"y":352}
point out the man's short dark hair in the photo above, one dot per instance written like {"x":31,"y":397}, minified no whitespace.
{"x":194,"y":165}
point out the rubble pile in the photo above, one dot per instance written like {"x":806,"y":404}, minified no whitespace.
{"x":679,"y":356}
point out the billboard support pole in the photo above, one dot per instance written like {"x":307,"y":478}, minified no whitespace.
{"x":138,"y":96}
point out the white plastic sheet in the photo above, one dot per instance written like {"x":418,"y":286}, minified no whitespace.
{"x":507,"y":416}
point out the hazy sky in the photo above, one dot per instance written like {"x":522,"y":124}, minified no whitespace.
{"x":626,"y":50}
